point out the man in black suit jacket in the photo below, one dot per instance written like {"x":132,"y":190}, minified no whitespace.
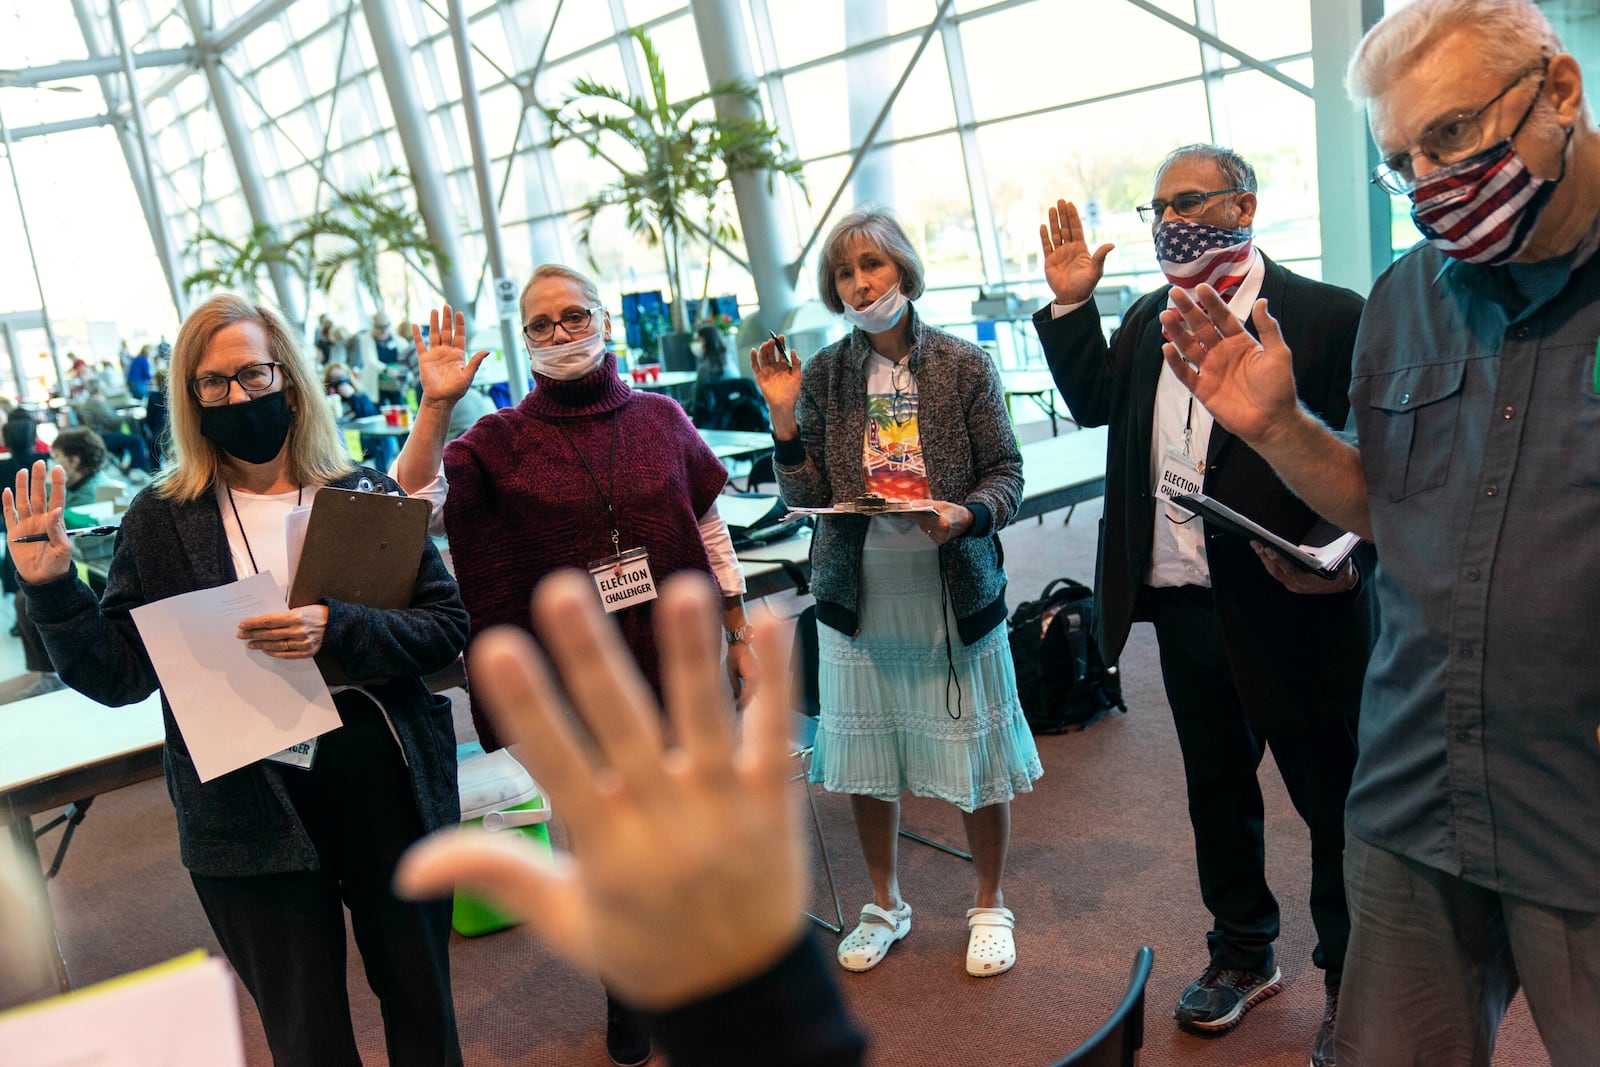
{"x":1254,"y":654}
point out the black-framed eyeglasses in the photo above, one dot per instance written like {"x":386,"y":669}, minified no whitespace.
{"x":574,"y":320}
{"x":253,"y":378}
{"x":1187,"y":205}
{"x":1451,"y":139}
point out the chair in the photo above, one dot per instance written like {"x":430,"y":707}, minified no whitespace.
{"x":731,"y":404}
{"x":1118,"y":1041}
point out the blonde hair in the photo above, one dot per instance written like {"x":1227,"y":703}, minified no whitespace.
{"x":1513,"y":35}
{"x":316,"y":450}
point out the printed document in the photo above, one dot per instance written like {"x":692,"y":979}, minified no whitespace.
{"x":234,"y":704}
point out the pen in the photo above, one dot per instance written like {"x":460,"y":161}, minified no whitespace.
{"x":87,"y":531}
{"x":783,"y":349}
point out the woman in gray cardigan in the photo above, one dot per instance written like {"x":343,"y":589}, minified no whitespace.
{"x":277,"y":849}
{"x":917,"y":686}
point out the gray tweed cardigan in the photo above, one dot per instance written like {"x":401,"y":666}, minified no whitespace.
{"x":971,"y":455}
{"x":243,"y":823}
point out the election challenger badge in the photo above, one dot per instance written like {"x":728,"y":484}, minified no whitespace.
{"x":1181,"y":474}
{"x":301,"y":755}
{"x":624,"y":580}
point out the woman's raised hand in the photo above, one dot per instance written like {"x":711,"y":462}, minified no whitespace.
{"x":443,"y":365}
{"x":30,"y":509}
{"x":777,"y":374}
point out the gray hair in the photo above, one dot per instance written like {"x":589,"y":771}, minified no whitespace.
{"x":879,"y":228}
{"x":1513,"y":35}
{"x":591,"y":292}
{"x":1236,"y":170}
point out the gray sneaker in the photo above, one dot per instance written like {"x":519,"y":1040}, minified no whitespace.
{"x":1216,"y":1001}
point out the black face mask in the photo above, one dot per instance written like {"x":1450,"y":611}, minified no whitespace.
{"x":253,"y":431}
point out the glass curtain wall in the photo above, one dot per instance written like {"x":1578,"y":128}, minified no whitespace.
{"x":977,"y":124}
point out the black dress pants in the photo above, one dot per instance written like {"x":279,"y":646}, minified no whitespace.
{"x":284,"y":934}
{"x":1221,"y":755}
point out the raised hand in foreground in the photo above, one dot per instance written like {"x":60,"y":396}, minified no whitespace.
{"x":686,"y":872}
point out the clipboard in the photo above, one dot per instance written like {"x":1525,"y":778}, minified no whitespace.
{"x":1323,"y":553}
{"x":361,"y":548}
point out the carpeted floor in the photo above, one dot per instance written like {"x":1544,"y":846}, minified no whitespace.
{"x":1101,"y":863}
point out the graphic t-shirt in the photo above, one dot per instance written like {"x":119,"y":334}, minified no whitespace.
{"x":891,"y":452}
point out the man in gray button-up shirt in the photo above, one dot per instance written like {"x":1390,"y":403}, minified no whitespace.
{"x":1473,"y":861}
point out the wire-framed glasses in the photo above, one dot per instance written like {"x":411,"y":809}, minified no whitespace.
{"x":1187,"y":205}
{"x":252,"y":378}
{"x":903,"y":404}
{"x":574,"y":320}
{"x":1450,"y":140}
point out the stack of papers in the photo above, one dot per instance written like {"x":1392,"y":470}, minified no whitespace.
{"x":1323,"y":554}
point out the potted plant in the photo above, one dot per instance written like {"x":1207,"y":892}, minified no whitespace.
{"x":674,"y":167}
{"x":370,"y":225}
{"x":238,"y":265}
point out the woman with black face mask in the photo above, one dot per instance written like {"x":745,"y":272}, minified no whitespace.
{"x":276,"y":850}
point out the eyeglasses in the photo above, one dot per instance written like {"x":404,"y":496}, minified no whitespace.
{"x":573,"y":320}
{"x":254,"y":378}
{"x":1187,"y":205}
{"x":1451,"y":139}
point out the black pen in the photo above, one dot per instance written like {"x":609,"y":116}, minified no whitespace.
{"x":87,"y":531}
{"x":782,"y":348}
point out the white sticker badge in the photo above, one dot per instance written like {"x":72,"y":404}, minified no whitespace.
{"x":1181,"y":475}
{"x":624,"y":581}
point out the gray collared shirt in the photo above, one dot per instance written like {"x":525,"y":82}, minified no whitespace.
{"x":1475,"y":395}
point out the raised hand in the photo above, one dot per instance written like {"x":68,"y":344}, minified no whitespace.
{"x":1070,"y":269}
{"x":686,"y":874}
{"x":443,"y":366}
{"x":778,"y":376}
{"x":1248,"y":385}
{"x":29,"y":510}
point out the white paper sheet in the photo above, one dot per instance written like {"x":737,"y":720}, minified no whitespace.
{"x":180,"y":1014}
{"x":234,"y":705}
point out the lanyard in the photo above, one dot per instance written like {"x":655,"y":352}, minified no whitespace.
{"x":254,"y":569}
{"x":611,"y":478}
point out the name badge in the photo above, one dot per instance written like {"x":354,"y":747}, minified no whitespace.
{"x":1181,"y":475}
{"x":624,"y":581}
{"x":301,"y":755}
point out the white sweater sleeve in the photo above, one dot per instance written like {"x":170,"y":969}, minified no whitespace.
{"x":434,"y":493}
{"x":719,"y":546}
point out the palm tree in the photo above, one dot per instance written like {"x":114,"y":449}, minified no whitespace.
{"x":370,"y":225}
{"x":674,"y":178}
{"x":238,"y":265}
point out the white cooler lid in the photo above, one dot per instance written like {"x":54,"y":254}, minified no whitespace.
{"x":494,"y":782}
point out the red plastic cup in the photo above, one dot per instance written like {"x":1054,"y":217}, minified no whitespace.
{"x":638,"y":375}
{"x":391,"y":415}
{"x":655,"y":372}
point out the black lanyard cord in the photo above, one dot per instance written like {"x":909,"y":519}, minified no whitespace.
{"x":299,"y":494}
{"x":606,"y":494}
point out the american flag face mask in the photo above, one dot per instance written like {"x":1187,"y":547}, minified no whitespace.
{"x":1483,"y":209}
{"x":1193,"y":254}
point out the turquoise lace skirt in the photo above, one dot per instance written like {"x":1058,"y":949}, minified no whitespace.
{"x":894,"y":719}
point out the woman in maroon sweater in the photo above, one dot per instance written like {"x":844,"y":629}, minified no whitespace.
{"x":583,"y":471}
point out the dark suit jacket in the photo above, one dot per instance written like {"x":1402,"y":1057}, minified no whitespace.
{"x":1296,"y":659}
{"x":243,"y":822}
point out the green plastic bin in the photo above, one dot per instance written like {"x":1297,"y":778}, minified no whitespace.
{"x":498,"y":794}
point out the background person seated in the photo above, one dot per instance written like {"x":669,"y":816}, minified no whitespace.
{"x":95,"y":412}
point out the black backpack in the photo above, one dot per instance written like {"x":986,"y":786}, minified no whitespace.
{"x":1061,"y":680}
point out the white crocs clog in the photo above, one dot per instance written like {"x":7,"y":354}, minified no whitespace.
{"x":868,"y":943}
{"x":990,"y":947}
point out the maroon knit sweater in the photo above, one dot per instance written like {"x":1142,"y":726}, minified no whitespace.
{"x":521,"y":504}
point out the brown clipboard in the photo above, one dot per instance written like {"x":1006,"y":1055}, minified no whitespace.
{"x":361,"y":548}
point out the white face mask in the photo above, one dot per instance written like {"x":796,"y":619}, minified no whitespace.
{"x":570,"y":360}
{"x":881,"y":314}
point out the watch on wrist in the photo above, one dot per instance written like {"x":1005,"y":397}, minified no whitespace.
{"x":742,"y":635}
